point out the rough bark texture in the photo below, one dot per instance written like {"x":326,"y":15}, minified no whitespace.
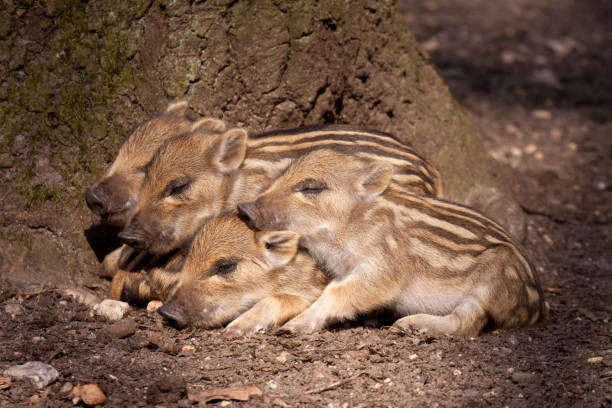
{"x":76,"y":77}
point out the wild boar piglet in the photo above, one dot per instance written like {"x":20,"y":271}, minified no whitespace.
{"x":114,"y":198}
{"x":198,"y":175}
{"x":445,"y":267}
{"x":255,"y":280}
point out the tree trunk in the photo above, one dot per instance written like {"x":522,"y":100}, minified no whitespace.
{"x":76,"y":77}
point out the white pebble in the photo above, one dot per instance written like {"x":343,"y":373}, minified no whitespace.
{"x":13,"y":309}
{"x":40,"y":374}
{"x":111,"y":309}
{"x":153,"y":305}
{"x":83,"y":296}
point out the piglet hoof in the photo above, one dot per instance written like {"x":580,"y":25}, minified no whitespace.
{"x":283,"y":331}
{"x":298,"y":327}
{"x":231,"y":334}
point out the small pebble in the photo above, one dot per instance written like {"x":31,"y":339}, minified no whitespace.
{"x":572,"y":146}
{"x":556,"y":134}
{"x":39,"y":373}
{"x":541,"y":114}
{"x":122,"y":328}
{"x":530,"y":149}
{"x":457,"y":373}
{"x":515,"y":151}
{"x":153,"y":305}
{"x":66,"y":388}
{"x":523,"y":377}
{"x":83,"y":296}
{"x":600,"y":185}
{"x":13,"y":309}
{"x":111,"y":309}
{"x":413,"y":357}
{"x":90,"y":394}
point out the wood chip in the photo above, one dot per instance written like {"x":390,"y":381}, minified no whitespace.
{"x":595,"y":360}
{"x":5,"y":382}
{"x":231,"y":393}
{"x":556,"y":291}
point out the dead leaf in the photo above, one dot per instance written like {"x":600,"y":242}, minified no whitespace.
{"x":5,"y":382}
{"x":231,"y":393}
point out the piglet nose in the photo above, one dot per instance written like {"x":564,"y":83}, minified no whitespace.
{"x":248,"y":213}
{"x":95,"y":201}
{"x":173,"y":315}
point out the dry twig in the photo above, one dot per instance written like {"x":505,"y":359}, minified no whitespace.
{"x":336,"y":384}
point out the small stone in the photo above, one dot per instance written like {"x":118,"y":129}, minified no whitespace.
{"x":572,"y":146}
{"x":548,"y":240}
{"x":530,"y":149}
{"x":39,"y":373}
{"x":225,"y":403}
{"x":111,"y":309}
{"x":556,"y":134}
{"x":515,"y":151}
{"x":282,"y":357}
{"x":20,"y":144}
{"x":153,"y":305}
{"x":377,"y":385}
{"x":600,"y":185}
{"x":523,"y":377}
{"x":546,"y":77}
{"x":413,"y":357}
{"x":431,"y":45}
{"x":66,"y":388}
{"x":539,"y":156}
{"x":13,"y":309}
{"x":272,"y":385}
{"x":508,"y":57}
{"x":595,"y":360}
{"x":6,"y":161}
{"x":36,"y":339}
{"x":138,"y":341}
{"x":457,"y":372}
{"x":83,"y":296}
{"x":122,"y":328}
{"x":90,"y":394}
{"x":542,"y":114}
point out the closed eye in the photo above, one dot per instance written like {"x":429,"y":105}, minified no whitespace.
{"x":177,"y":187}
{"x":225,"y":266}
{"x":310,"y":186}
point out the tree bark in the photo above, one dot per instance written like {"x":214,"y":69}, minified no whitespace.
{"x":76,"y":77}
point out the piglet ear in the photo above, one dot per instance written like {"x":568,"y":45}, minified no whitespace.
{"x":177,"y":108}
{"x":213,"y":124}
{"x":279,"y":247}
{"x":230,"y":150}
{"x":373,"y":180}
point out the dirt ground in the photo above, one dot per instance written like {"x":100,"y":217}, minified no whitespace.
{"x":535,"y":76}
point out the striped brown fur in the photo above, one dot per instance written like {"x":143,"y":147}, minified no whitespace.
{"x":216,"y":172}
{"x":255,"y":280}
{"x":445,"y":267}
